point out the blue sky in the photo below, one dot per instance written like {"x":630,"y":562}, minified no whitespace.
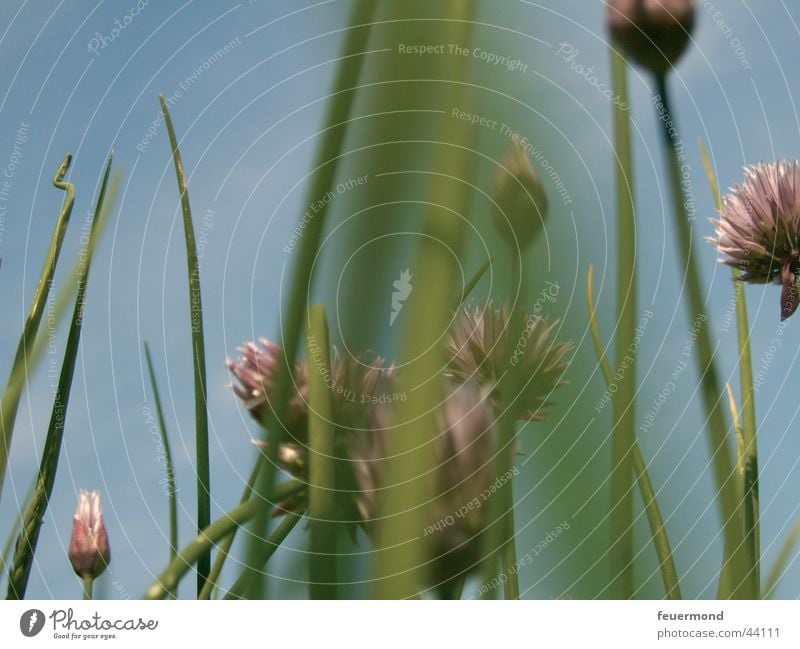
{"x":248,"y":120}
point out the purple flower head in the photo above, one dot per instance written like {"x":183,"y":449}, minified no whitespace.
{"x":758,"y":230}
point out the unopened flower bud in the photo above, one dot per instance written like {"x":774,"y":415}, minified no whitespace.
{"x":654,"y":33}
{"x":520,"y":199}
{"x":88,"y":548}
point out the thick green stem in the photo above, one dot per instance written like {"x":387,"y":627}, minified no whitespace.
{"x":658,"y":530}
{"x":402,"y":553}
{"x":622,"y":437}
{"x":322,"y":510}
{"x":509,"y":390}
{"x":198,"y":352}
{"x":711,"y":388}
{"x":326,"y":164}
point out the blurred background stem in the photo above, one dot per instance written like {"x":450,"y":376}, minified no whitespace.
{"x":401,"y":553}
{"x":326,"y":161}
{"x":322,"y":573}
{"x":622,"y":435}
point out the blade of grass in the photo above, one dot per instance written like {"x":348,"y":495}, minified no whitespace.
{"x":402,"y":553}
{"x":28,"y":538}
{"x":623,"y":436}
{"x":322,"y":510}
{"x":198,"y":352}
{"x":20,"y":367}
{"x":752,"y":513}
{"x":711,"y":390}
{"x":291,"y":519}
{"x":326,"y":165}
{"x":782,"y":561}
{"x":658,"y":531}
{"x":169,"y":467}
{"x":202,"y":544}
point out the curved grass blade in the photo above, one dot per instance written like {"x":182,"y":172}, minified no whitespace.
{"x":782,"y":561}
{"x":28,"y":538}
{"x":20,"y":367}
{"x":169,"y":467}
{"x":198,"y":353}
{"x":202,"y":544}
{"x":472,"y":283}
{"x":658,"y":530}
{"x":326,"y":164}
{"x":66,"y":295}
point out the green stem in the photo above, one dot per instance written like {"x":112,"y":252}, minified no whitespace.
{"x":169,"y":467}
{"x":709,"y":381}
{"x":272,"y":544}
{"x":201,"y":545}
{"x":20,"y":367}
{"x":326,"y":164}
{"x":198,"y":351}
{"x":508,"y":556}
{"x":623,"y":437}
{"x":322,"y":571}
{"x":655,"y":520}
{"x":88,"y":584}
{"x":508,"y":428}
{"x":225,"y":547}
{"x":749,"y":492}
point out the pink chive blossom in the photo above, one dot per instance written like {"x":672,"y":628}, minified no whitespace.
{"x":758,"y":229}
{"x":89,"y":552}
